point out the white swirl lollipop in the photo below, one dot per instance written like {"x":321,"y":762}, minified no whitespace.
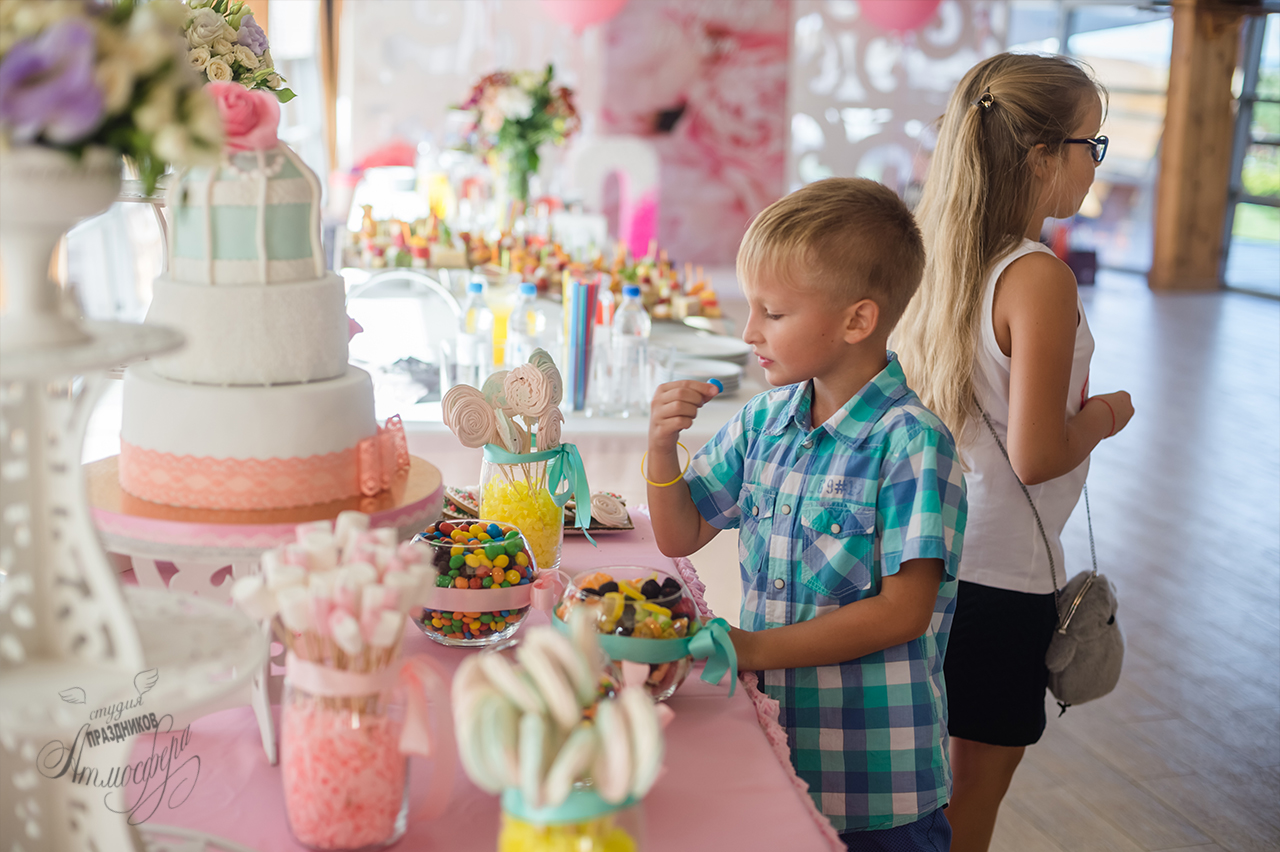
{"x":472,"y":420}
{"x":528,"y":392}
{"x":452,"y":398}
{"x":547,"y":365}
{"x":609,"y":510}
{"x":549,"y":425}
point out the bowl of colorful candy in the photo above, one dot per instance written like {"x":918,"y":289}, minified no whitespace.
{"x":483,"y":574}
{"x":639,"y":604}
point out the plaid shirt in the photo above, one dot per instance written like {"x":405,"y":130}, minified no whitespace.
{"x":824,"y":514}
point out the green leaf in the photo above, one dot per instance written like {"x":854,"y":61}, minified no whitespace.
{"x":284,"y":95}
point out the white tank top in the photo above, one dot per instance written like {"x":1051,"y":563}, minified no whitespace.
{"x":1002,"y":545}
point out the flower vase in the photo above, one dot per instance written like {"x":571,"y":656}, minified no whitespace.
{"x":43,"y":193}
{"x":345,"y":777}
{"x":518,"y":184}
{"x":519,"y":494}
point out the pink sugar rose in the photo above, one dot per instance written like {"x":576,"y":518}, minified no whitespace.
{"x":249,"y":118}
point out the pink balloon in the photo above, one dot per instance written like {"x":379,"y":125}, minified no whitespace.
{"x":898,"y":15}
{"x":581,"y":14}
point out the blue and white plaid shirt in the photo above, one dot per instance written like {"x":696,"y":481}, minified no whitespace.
{"x":824,"y":515}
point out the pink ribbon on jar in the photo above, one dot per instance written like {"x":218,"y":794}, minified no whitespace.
{"x":425,"y":733}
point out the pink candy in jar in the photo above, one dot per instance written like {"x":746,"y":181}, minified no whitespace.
{"x":345,"y":778}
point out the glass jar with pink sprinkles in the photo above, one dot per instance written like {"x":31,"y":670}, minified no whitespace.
{"x":345,"y":777}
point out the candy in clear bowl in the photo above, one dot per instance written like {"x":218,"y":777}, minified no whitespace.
{"x":483,"y":574}
{"x":639,"y":603}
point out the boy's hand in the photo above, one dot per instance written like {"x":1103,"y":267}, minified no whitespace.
{"x":675,"y":405}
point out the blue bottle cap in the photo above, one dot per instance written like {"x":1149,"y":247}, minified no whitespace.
{"x":719,"y":385}
{"x":631,"y":290}
{"x":528,"y":288}
{"x":475,"y":287}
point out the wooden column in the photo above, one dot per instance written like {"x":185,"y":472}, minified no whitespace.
{"x":1195,"y":152}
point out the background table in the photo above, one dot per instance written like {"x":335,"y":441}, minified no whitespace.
{"x":723,"y":785}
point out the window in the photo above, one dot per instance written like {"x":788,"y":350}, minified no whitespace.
{"x":1252,"y":257}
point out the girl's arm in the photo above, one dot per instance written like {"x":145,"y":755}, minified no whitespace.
{"x":678,"y":527}
{"x":899,"y":613}
{"x":1035,"y":317}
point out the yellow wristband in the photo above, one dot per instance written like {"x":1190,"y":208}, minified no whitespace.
{"x":687,"y":459}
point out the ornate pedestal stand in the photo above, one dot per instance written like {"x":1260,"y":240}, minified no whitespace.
{"x":72,"y":642}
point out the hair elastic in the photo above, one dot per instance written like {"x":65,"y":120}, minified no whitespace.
{"x":688,"y":458}
{"x":1109,"y":408}
{"x":986,"y":100}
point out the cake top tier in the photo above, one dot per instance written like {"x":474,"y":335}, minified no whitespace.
{"x":251,"y":221}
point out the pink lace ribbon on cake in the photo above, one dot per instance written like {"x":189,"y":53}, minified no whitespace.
{"x":381,"y":457}
{"x":255,"y":484}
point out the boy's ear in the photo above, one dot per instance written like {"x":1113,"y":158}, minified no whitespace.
{"x":863,"y":318}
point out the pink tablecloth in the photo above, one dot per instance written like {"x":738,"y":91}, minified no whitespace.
{"x":723,"y":785}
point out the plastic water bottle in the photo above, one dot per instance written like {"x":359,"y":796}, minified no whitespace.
{"x":630,"y":356}
{"x":525,"y":326}
{"x":475,"y":338}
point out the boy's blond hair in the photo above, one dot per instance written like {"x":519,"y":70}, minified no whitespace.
{"x":849,"y":237}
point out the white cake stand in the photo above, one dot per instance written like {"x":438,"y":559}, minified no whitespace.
{"x":71,"y":640}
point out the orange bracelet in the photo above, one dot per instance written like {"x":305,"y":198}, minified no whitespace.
{"x":1113,"y":414}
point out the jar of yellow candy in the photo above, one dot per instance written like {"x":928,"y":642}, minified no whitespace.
{"x":519,"y":493}
{"x":583,"y":823}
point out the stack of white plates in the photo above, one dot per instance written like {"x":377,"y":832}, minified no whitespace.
{"x":702,"y":369}
{"x":702,"y":344}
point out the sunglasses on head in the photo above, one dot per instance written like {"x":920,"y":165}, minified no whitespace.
{"x":1097,"y":146}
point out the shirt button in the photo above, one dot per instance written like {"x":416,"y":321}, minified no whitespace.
{"x":835,"y":528}
{"x":808,"y":444}
{"x":755,"y":510}
{"x":786,"y":510}
{"x":779,"y":583}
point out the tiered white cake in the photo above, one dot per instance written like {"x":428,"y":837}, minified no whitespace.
{"x":261,"y":409}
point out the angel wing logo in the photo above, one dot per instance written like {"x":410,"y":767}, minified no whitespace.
{"x":144,"y":681}
{"x":74,"y":695}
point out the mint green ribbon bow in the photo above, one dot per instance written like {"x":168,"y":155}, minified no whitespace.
{"x":582,"y":805}
{"x":566,"y":466}
{"x":711,"y":643}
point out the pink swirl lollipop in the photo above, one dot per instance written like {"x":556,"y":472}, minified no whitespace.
{"x":452,"y":398}
{"x":471,"y":419}
{"x":549,"y":429}
{"x":547,"y":366}
{"x":527,"y":391}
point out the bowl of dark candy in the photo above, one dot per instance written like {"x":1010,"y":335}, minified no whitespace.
{"x":639,"y":603}
{"x":475,"y":562}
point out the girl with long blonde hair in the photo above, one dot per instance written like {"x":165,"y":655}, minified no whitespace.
{"x":997,"y":327}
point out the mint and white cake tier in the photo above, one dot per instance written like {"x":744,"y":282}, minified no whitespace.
{"x":253,"y":220}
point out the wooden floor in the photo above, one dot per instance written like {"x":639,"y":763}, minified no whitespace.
{"x":1185,"y":754}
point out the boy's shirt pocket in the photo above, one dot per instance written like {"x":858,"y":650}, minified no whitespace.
{"x":756,"y":528}
{"x":837,"y":550}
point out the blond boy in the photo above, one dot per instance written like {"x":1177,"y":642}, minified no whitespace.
{"x":850,"y":506}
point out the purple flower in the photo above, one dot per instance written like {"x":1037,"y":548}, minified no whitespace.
{"x":251,"y":35}
{"x":47,"y":87}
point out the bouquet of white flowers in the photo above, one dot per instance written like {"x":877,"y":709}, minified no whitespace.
{"x":75,"y":75}
{"x":226,"y":44}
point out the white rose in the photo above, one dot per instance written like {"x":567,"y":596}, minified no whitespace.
{"x":115,"y":81}
{"x":148,"y":50}
{"x":274,"y":81}
{"x":198,"y":57}
{"x":219,"y":71}
{"x":157,"y":111}
{"x":221,"y":47}
{"x":514,"y":103}
{"x":207,"y":25}
{"x":172,"y":144}
{"x":203,"y":118}
{"x":245,"y":56}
